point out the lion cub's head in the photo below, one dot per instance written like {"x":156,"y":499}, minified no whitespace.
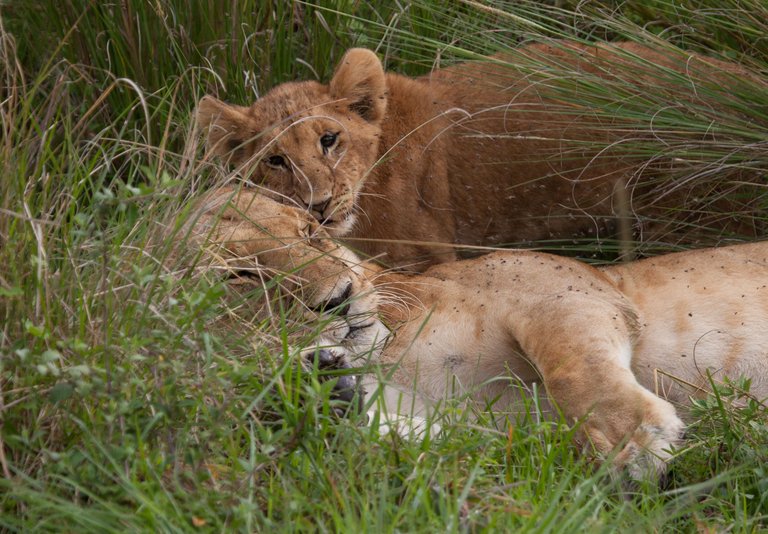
{"x":307,"y":143}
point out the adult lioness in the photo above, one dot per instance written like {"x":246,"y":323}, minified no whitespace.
{"x":601,"y":340}
{"x":480,"y":153}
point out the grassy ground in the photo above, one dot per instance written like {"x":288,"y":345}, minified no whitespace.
{"x":137,"y":393}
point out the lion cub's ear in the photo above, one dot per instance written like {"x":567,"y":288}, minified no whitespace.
{"x":227,"y":125}
{"x":359,"y":79}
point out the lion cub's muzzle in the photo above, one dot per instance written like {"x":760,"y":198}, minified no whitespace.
{"x":347,"y":393}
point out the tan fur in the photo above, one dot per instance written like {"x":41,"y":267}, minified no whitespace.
{"x":248,"y":236}
{"x":479,"y":153}
{"x":601,"y":340}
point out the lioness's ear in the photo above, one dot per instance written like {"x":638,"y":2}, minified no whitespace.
{"x":227,"y":125}
{"x":359,"y":79}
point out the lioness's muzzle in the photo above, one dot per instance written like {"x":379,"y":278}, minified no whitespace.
{"x":347,"y":385}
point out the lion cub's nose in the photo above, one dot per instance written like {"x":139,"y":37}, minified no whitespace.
{"x":318,"y":210}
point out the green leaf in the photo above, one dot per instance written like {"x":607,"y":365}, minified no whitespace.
{"x":37,"y":331}
{"x":61,"y":392}
{"x":51,"y":355}
{"x":11,"y":292}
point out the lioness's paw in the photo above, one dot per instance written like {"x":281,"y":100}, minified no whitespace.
{"x":645,"y":449}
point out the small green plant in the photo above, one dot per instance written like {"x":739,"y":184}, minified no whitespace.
{"x":726,"y":443}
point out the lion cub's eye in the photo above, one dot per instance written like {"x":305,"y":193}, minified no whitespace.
{"x":278,"y":162}
{"x":328,"y":140}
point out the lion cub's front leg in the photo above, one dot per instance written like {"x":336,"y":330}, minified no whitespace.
{"x":583,"y":348}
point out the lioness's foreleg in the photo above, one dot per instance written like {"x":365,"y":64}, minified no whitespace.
{"x":582,"y":346}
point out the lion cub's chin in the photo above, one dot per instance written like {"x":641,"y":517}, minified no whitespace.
{"x":342,"y":226}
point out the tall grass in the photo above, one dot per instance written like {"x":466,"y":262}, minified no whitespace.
{"x":139,"y":391}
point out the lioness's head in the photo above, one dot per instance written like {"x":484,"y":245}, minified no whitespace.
{"x":249,"y":235}
{"x":307,"y":143}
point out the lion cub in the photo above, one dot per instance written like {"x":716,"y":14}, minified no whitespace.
{"x":479,"y":153}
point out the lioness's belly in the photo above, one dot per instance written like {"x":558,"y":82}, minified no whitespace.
{"x":452,"y":353}
{"x":703,"y":313}
{"x":711,"y":333}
